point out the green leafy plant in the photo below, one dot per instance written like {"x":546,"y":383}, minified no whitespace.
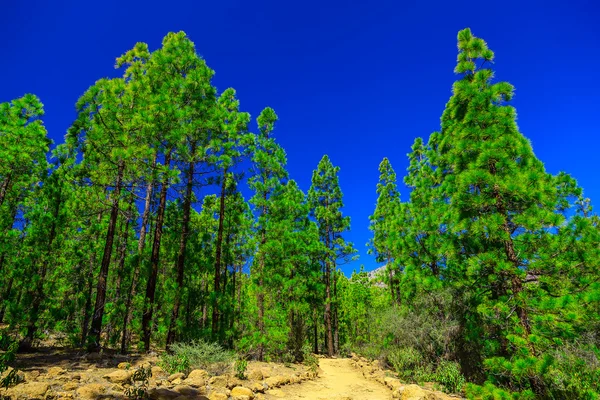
{"x":240,"y":367}
{"x":449,"y":376}
{"x":139,"y":388}
{"x":196,"y":355}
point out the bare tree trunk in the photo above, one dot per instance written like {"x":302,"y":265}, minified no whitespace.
{"x":96,"y":328}
{"x":154,"y":260}
{"x":138,"y":263}
{"x":217,"y":289}
{"x":187,"y":203}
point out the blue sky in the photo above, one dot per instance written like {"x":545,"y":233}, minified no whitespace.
{"x":357,"y":80}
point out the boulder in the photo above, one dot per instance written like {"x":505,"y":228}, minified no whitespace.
{"x":272,"y":382}
{"x":392,"y":383}
{"x":119,"y":376}
{"x":31,"y":390}
{"x":255,"y":375}
{"x":70,"y":386}
{"x":163,"y":394}
{"x":242,"y":391}
{"x":257,"y":387}
{"x":91,"y":391}
{"x":124,"y":365}
{"x":178,"y":375}
{"x":218,"y":396}
{"x":413,"y":392}
{"x":266,"y":372}
{"x":32,"y":375}
{"x":219,"y":381}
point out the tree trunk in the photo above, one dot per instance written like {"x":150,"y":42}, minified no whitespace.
{"x":96,"y":327}
{"x":154,"y":260}
{"x":4,"y":189}
{"x":328,"y":322}
{"x":38,"y":294}
{"x":5,"y":297}
{"x":215,"y":310}
{"x":187,"y":203}
{"x":336,"y":331}
{"x":138,"y":263}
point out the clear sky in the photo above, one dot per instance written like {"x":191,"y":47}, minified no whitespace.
{"x":358,"y":80}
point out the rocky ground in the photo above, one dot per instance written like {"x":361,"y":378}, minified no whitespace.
{"x":54,"y":373}
{"x":66,"y":374}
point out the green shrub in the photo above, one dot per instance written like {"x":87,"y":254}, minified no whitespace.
{"x":449,"y":376}
{"x":240,"y":368}
{"x":139,"y":387}
{"x":197,"y":355}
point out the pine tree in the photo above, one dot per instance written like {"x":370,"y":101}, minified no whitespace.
{"x":325,"y":198}
{"x":386,"y":209}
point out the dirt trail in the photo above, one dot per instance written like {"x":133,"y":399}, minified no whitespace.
{"x":339,"y":380}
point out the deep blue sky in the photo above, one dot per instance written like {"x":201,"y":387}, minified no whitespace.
{"x":357,"y":80}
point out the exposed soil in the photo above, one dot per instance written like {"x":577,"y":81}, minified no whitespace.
{"x":337,"y":380}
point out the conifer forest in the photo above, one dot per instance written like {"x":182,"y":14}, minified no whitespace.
{"x":167,"y":218}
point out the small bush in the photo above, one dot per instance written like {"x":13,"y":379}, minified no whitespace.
{"x":240,"y":368}
{"x":139,"y":388}
{"x":449,"y":376}
{"x":197,"y":355}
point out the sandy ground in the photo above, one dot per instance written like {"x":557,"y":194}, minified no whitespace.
{"x":339,"y":380}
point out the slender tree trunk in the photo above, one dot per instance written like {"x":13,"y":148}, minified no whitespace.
{"x":154,"y":260}
{"x":187,"y":203}
{"x":96,"y":327}
{"x":138,"y":263}
{"x":328,"y":319}
{"x":336,"y":330}
{"x":5,"y":297}
{"x":260,"y":295}
{"x":38,"y":293}
{"x":215,"y":310}
{"x":4,"y":188}
{"x":315,"y":331}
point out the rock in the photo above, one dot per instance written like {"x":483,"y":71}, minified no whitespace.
{"x":266,"y":372}
{"x":275,"y":392}
{"x":91,"y":391}
{"x":61,"y":395}
{"x":178,"y":375}
{"x":239,"y":398}
{"x":242,"y":391}
{"x":218,"y":381}
{"x":31,"y":390}
{"x":198,"y":373}
{"x":257,"y":387}
{"x":392,"y":383}
{"x":162,"y":394}
{"x":124,"y":365}
{"x":70,"y":386}
{"x":55,"y":371}
{"x":256,"y":375}
{"x":189,"y":391}
{"x":176,"y":381}
{"x":157,"y":371}
{"x":414,"y":392}
{"x":218,"y":396}
{"x":272,"y":382}
{"x":118,"y":376}
{"x":32,"y":375}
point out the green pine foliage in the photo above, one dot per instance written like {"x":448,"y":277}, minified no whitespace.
{"x":136,"y":234}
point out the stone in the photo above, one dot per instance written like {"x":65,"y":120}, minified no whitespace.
{"x":93,"y":356}
{"x":124,"y":365}
{"x":255,"y":375}
{"x":392,"y":383}
{"x":257,"y":387}
{"x":176,"y":381}
{"x":218,"y":396}
{"x":55,"y":371}
{"x":31,"y":390}
{"x":413,"y":392}
{"x":163,"y":394}
{"x":272,"y":382}
{"x":91,"y":391}
{"x":218,"y":381}
{"x":242,"y":391}
{"x":70,"y":386}
{"x":240,"y":398}
{"x":178,"y":375}
{"x":266,"y":372}
{"x":189,"y":391}
{"x":32,"y":375}
{"x":118,"y":376}
{"x":157,"y":372}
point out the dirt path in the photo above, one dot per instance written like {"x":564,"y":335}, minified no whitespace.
{"x":339,"y":380}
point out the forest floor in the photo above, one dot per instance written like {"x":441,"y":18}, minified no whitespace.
{"x":337,"y":380}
